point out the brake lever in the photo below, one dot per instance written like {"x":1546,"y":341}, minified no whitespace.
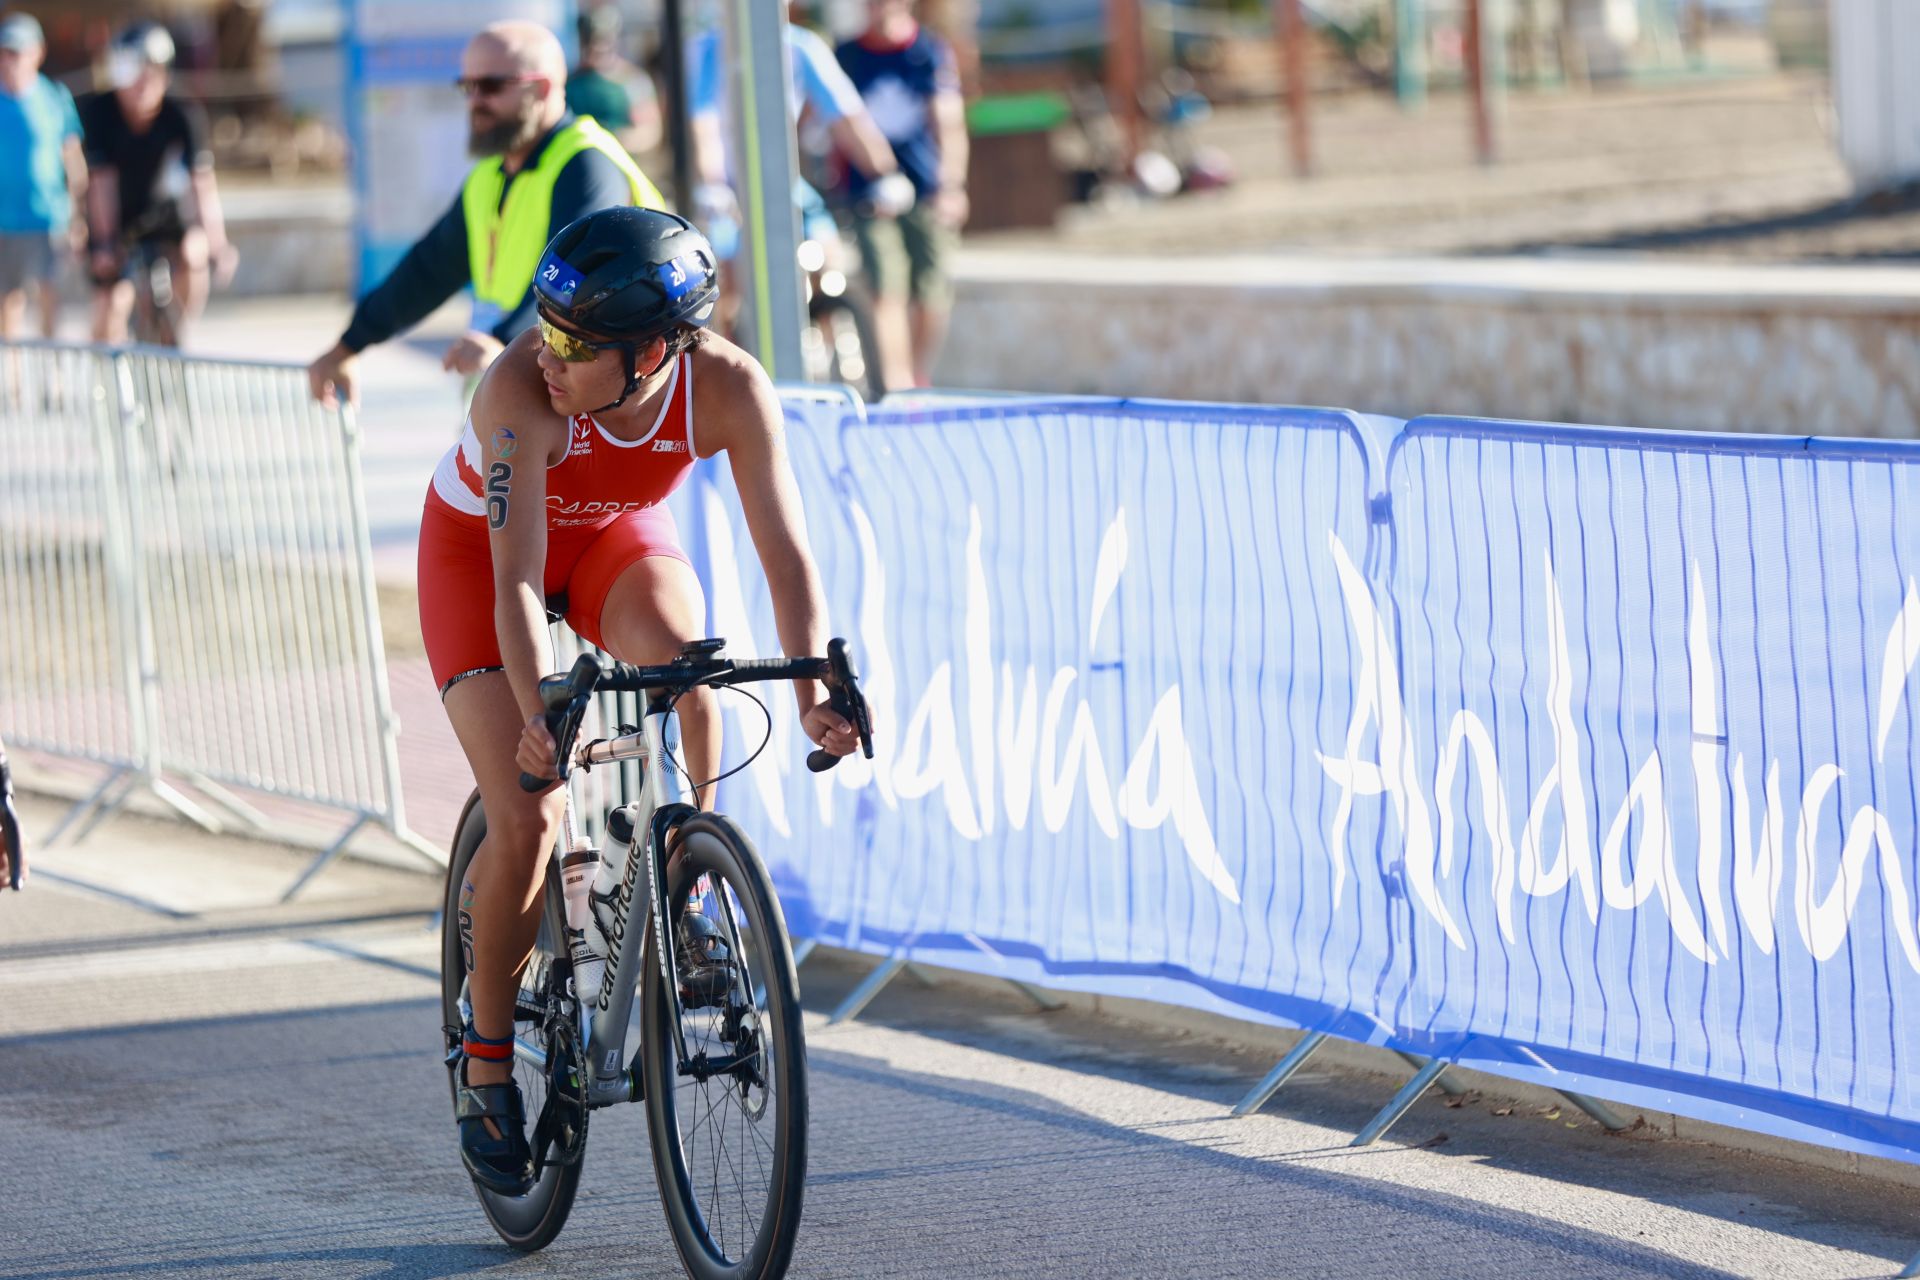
{"x":843,"y":695}
{"x":565,"y":698}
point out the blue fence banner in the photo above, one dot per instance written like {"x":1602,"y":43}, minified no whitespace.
{"x":1090,"y":630}
{"x":1582,"y":756}
{"x":1651,"y":766}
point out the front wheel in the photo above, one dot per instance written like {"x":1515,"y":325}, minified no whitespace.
{"x":729,"y":1135}
{"x":546,"y":1065}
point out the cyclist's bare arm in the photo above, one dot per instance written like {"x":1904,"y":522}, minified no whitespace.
{"x":737,"y":412}
{"x":513,"y":478}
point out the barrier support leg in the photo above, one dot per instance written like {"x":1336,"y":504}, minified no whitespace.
{"x":1599,"y":1110}
{"x":82,"y":808}
{"x":1913,"y":1269}
{"x":1401,"y":1104}
{"x":162,"y":792}
{"x":1046,"y":1000}
{"x":1281,"y":1073}
{"x":801,"y":952}
{"x":232,"y":803}
{"x":322,"y":862}
{"x":919,"y":974}
{"x":177,"y":800}
{"x":1447,"y":1086}
{"x":861,"y":996}
{"x":432,"y":856}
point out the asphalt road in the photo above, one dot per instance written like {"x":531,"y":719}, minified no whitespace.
{"x":197,"y":1082}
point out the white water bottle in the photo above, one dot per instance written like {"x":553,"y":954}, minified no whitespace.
{"x":613,"y":860}
{"x":589,"y":948}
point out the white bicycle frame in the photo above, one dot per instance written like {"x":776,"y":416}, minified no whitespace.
{"x":603,"y":1016}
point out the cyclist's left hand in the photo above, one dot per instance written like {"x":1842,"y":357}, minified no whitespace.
{"x":471,"y":353}
{"x":535,"y":752}
{"x":829,"y":730}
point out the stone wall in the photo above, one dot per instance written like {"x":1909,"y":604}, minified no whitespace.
{"x":1800,"y":350}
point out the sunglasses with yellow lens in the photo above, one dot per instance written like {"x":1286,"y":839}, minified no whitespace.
{"x":572,"y":348}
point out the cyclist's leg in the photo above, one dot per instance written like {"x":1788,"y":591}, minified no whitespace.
{"x":191,"y":277}
{"x":634,"y":594}
{"x":500,"y":898}
{"x":112,"y":308}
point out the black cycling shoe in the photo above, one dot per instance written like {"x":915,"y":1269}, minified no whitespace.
{"x":503,"y":1164}
{"x":706,"y":971}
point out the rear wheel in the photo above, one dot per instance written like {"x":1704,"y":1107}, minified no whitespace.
{"x":546,"y":1059}
{"x":840,"y":346}
{"x":730,"y":1137}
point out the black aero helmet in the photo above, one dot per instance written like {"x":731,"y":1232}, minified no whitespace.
{"x":631,"y":274}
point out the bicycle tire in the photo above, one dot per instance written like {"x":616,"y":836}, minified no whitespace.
{"x":531,"y":1221}
{"x":709,"y":847}
{"x":849,"y":354}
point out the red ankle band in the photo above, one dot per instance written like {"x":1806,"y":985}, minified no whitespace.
{"x":487,"y":1050}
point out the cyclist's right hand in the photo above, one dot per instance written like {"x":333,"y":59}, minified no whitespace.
{"x":536,"y":750}
{"x":334,"y":377}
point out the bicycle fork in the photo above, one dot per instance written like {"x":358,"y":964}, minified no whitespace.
{"x":665,"y":804}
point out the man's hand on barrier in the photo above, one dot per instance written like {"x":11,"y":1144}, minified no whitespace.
{"x":335,"y":377}
{"x":471,"y":353}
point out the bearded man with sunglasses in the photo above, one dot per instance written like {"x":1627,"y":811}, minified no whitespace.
{"x":540,"y":169}
{"x":553,"y":500}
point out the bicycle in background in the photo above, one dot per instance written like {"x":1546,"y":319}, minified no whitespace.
{"x":721,"y":1058}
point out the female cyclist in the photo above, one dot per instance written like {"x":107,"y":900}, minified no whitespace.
{"x":554,"y":494}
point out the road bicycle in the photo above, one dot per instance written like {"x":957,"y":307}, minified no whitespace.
{"x":721,"y":1055}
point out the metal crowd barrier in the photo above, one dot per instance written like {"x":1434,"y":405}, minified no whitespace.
{"x":183,"y":549}
{"x":1581,"y":757}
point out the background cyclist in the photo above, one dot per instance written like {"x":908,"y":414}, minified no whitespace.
{"x":576,"y":436}
{"x":150,"y":183}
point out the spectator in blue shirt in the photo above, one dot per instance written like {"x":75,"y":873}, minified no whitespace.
{"x":906,"y":76}
{"x":43,"y":176}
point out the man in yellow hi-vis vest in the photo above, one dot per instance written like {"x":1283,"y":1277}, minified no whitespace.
{"x":541,"y":169}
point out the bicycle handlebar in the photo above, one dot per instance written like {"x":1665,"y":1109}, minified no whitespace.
{"x":565,"y":695}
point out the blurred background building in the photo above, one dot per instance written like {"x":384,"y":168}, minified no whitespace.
{"x":1111,"y":106}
